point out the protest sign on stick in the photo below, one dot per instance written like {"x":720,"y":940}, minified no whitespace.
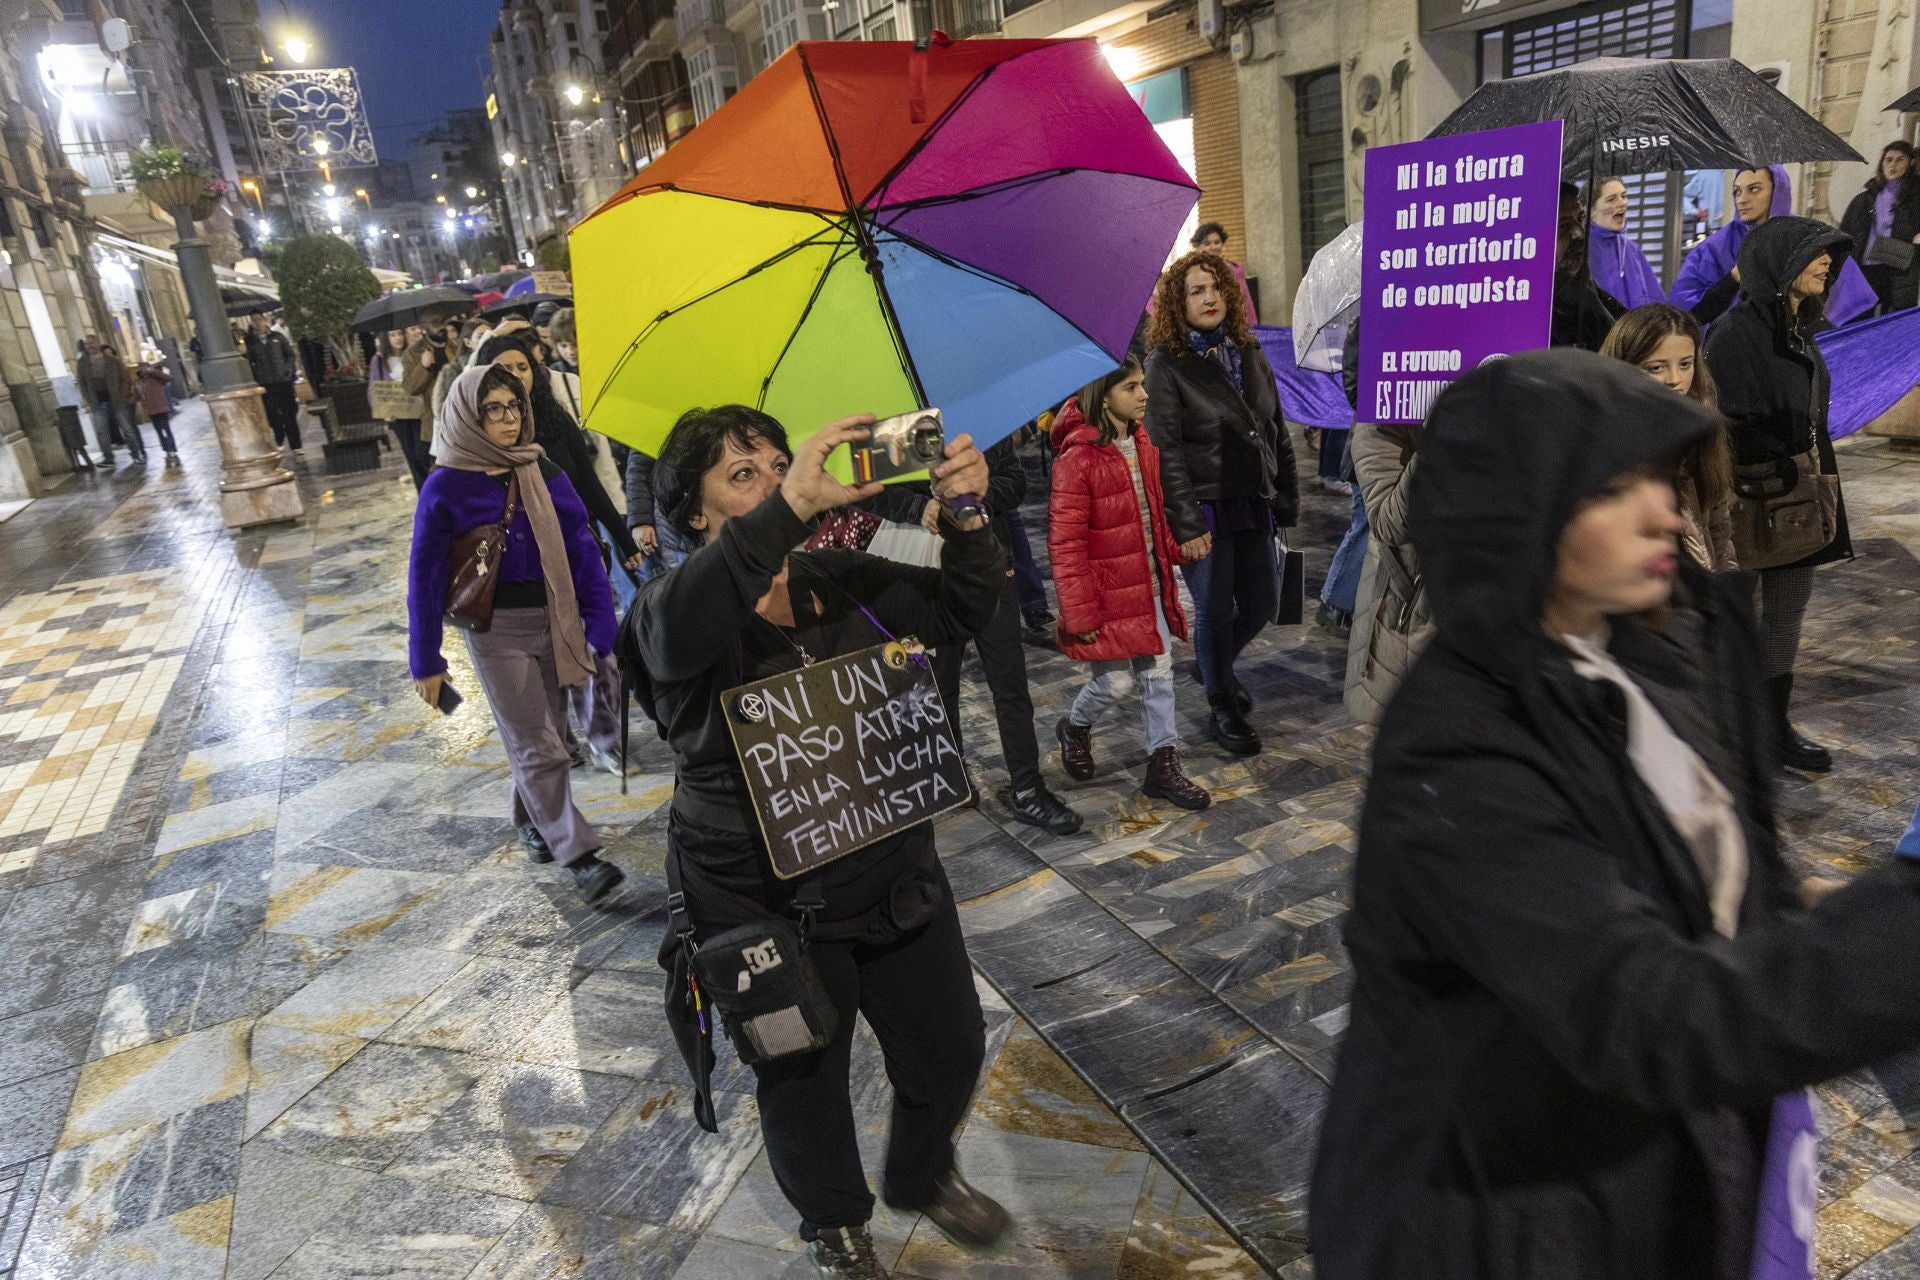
{"x":843,"y":753}
{"x":1456,"y":265}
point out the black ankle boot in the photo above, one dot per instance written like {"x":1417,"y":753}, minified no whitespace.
{"x":1795,"y":751}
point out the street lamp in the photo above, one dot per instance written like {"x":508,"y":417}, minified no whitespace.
{"x":360,"y":193}
{"x":472,"y":192}
{"x":320,"y":145}
{"x":327,"y":187}
{"x":575,"y":94}
{"x":296,"y":48}
{"x":253,"y":188}
{"x":506,"y":158}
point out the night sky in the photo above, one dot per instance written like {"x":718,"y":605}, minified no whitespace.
{"x":417,"y":59}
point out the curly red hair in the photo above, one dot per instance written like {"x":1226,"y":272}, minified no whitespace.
{"x":1168,"y":328}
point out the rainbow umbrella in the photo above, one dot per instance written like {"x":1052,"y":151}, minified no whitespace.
{"x":871,"y":227}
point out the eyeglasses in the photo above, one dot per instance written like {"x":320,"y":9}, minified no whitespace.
{"x":500,"y":412}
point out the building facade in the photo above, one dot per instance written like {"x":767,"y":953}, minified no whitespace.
{"x":81,"y":251}
{"x":1281,"y":100}
{"x":554,"y":109}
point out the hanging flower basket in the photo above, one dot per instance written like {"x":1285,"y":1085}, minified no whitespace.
{"x":175,"y":190}
{"x":203,"y":207}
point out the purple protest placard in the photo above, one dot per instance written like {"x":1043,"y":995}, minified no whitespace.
{"x":1457,"y":261}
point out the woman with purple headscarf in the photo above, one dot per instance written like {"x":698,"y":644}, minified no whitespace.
{"x":1707,"y":286}
{"x":1614,"y":260}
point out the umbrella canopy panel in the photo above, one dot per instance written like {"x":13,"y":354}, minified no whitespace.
{"x":1639,"y":115}
{"x":929,"y":251}
{"x":409,"y":306}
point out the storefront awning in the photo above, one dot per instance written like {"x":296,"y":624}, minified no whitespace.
{"x":227,"y":276}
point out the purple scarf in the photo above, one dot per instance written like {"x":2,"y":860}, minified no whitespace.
{"x":1789,"y":1193}
{"x":1849,"y":296}
{"x":1619,"y":267}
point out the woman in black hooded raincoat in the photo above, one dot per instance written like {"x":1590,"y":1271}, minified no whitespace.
{"x":1774,"y":388}
{"x":1568,"y":1024}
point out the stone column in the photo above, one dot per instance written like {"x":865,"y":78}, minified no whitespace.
{"x":254,"y":487}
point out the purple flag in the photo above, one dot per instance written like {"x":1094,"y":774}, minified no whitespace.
{"x":1457,"y":266}
{"x":1789,"y":1193}
{"x":1873,"y":363}
{"x":1306,"y":397}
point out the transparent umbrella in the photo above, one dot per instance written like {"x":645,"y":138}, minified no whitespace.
{"x":1327,"y":302}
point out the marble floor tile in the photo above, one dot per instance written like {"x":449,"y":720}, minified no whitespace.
{"x":256,"y":812}
{"x":367,"y":991}
{"x":352,"y":903}
{"x":366,"y":1113}
{"x":62,"y":939}
{"x":651,"y":1162}
{"x":487,"y":1007}
{"x":565,"y":1244}
{"x":285,"y":1064}
{"x":400,"y":1230}
{"x":30,"y":1112}
{"x":612,"y":1022}
{"x":189,"y":1245}
{"x":32,"y":1044}
{"x":403,"y":841}
{"x":720,"y":1258}
{"x":1173,"y":1236}
{"x":1073,"y":1207}
{"x":282,"y":1199}
{"x":128,"y":1179}
{"x":155,"y":1082}
{"x":1030,"y":1089}
{"x":514,"y":1130}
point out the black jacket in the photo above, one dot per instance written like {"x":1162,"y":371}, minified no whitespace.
{"x":1583,"y":313}
{"x":270,"y":357}
{"x":1555,"y":1068}
{"x":565,"y":441}
{"x":694,"y":634}
{"x":1858,"y":224}
{"x":1773,"y":382}
{"x":638,"y":478}
{"x":1215,"y":442}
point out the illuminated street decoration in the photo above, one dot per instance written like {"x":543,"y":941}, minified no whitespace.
{"x":309,"y":118}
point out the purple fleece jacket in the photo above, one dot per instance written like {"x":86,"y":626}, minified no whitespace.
{"x":451,"y":502}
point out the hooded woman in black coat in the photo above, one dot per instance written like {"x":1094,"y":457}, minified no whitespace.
{"x":1773,"y":390}
{"x":1582,"y":973}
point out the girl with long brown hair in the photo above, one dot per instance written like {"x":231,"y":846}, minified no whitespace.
{"x":1662,"y":340}
{"x":1226,"y":470}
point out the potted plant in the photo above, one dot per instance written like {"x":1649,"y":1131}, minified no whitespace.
{"x":170,"y":178}
{"x":212,"y":192}
{"x":324,"y":283}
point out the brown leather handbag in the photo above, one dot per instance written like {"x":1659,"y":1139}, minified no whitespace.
{"x":476,"y":568}
{"x":1784,"y":510}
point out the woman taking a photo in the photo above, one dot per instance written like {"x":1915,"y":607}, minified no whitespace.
{"x":1663,"y":341}
{"x":1773,"y":386}
{"x":885,"y":941}
{"x":1587,"y":994}
{"x":1226,"y":468}
{"x":552,"y":607}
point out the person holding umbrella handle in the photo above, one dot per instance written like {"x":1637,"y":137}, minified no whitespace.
{"x":884,"y":935}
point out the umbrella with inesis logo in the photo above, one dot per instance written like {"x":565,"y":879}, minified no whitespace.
{"x":877,"y":227}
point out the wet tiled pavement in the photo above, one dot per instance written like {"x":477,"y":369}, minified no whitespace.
{"x":283,"y":999}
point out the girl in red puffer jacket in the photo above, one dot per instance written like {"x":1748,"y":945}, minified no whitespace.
{"x":1113,"y":563}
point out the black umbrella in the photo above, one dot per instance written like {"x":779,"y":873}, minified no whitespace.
{"x":403,"y":307}
{"x":1909,"y":102}
{"x":1636,"y":115}
{"x":239,"y":303}
{"x":524,"y":304}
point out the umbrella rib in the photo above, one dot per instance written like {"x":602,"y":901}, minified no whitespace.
{"x":819,"y":287}
{"x":670,"y":312}
{"x":780,"y":205}
{"x":863,"y":236}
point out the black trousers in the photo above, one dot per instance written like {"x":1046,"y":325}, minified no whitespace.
{"x":917,"y":994}
{"x":406,"y":431}
{"x":1004,"y":659}
{"x":283,"y":412}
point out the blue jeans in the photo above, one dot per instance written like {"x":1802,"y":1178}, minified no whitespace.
{"x":113,"y":424}
{"x":1234,"y":592}
{"x":1152,"y":673}
{"x":1028,"y":585}
{"x":1342,"y":588}
{"x":622,"y":578}
{"x":1333,"y":452}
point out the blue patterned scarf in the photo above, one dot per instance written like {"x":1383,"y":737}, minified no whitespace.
{"x":1216,"y":344}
